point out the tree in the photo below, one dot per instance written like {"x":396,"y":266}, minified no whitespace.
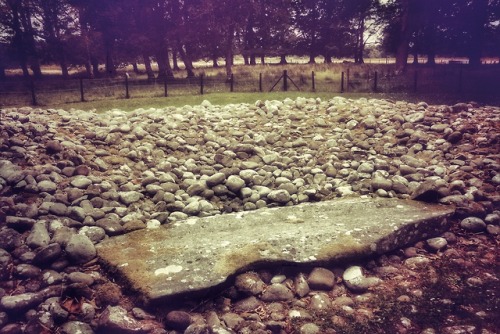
{"x":20,"y":30}
{"x":58,"y":27}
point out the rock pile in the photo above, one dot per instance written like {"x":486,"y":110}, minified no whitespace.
{"x":69,"y":179}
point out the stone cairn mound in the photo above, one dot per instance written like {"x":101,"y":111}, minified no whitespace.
{"x":70,"y":179}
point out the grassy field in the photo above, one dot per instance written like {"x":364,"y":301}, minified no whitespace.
{"x":439,"y":84}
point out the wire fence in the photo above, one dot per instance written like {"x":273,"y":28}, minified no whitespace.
{"x":445,"y":79}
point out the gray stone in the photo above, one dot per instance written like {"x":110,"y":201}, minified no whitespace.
{"x":58,"y":209}
{"x":380,"y":182}
{"x":277,"y":292}
{"x":473,"y":224}
{"x":249,"y":283}
{"x":73,"y":327}
{"x":355,"y":280}
{"x":47,"y":186}
{"x":39,"y":236}
{"x":10,"y":172}
{"x":320,"y":302}
{"x":81,"y":182}
{"x":80,"y":248}
{"x":437,"y":243}
{"x":94,"y":233}
{"x":9,"y":239}
{"x":493,"y":229}
{"x":235,"y":183}
{"x":280,"y":196}
{"x":178,"y":320}
{"x":216,"y":179}
{"x":114,"y":319}
{"x":232,"y":320}
{"x":47,"y":254}
{"x":129,"y":197}
{"x":301,"y":286}
{"x":321,"y":279}
{"x":110,"y":226}
{"x":79,"y":277}
{"x":159,"y":262}
{"x":309,"y":328}
{"x":20,"y":302}
{"x":247,"y":305}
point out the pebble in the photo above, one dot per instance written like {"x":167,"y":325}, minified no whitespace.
{"x":473,"y":224}
{"x":39,"y":236}
{"x":114,"y":319}
{"x":178,"y":320}
{"x":80,"y":248}
{"x":159,"y":166}
{"x":321,"y":279}
{"x":355,"y":280}
{"x":280,"y":196}
{"x":249,"y":283}
{"x":47,"y":186}
{"x":72,"y":327}
{"x":437,"y":244}
{"x":277,"y":292}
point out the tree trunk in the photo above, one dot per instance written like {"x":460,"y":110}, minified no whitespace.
{"x":62,"y":63}
{"x":283,"y":60}
{"x":252,"y":59}
{"x":185,"y":59}
{"x":431,"y":58}
{"x":403,"y":46}
{"x":360,"y":43}
{"x":215,"y":62}
{"x":479,"y":18}
{"x":110,"y":63}
{"x":36,"y":68}
{"x":18,"y":40}
{"x":312,"y":49}
{"x":262,"y":60}
{"x":88,"y":70}
{"x":415,"y":58}
{"x":328,"y":58}
{"x":164,"y":68}
{"x":64,"y":68}
{"x":95,"y":67}
{"x":174,"y":60}
{"x":229,"y":51}
{"x":147,"y":65}
{"x":246,"y":60}
{"x":135,"y":68}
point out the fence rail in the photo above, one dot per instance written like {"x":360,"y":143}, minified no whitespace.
{"x":454,"y":80}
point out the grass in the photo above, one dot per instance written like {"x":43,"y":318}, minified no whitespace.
{"x":441,"y":84}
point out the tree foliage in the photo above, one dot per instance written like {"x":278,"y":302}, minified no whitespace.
{"x":114,"y":32}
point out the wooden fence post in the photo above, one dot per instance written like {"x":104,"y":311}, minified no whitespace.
{"x":342,"y":82}
{"x":375,"y":82}
{"x":260,"y":82}
{"x":201,"y":83}
{"x":127,"y":95}
{"x":33,"y":93}
{"x":285,"y":80}
{"x":165,"y":86}
{"x":313,"y":82}
{"x":232,"y":83}
{"x":82,"y":96}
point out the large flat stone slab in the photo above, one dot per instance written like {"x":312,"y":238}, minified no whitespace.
{"x":200,"y":253}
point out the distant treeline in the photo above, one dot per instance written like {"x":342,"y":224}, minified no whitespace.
{"x":113,"y":32}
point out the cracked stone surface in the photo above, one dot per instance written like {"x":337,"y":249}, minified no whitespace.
{"x":197,"y":254}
